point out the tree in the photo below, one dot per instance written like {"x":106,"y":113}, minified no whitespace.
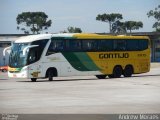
{"x":156,"y":14}
{"x":74,"y":30}
{"x":133,"y":25}
{"x":119,"y":27}
{"x":109,"y":18}
{"x":36,"y":21}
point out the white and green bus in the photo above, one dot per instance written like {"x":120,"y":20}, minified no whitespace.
{"x":53,"y":55}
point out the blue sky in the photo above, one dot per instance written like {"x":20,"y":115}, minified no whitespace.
{"x":77,"y":13}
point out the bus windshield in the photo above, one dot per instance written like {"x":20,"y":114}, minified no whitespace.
{"x":16,"y":58}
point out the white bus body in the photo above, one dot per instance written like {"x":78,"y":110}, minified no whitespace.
{"x":38,"y":69}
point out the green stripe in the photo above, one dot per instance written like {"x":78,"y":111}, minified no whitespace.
{"x":80,"y":61}
{"x":18,"y":69}
{"x":74,"y":61}
{"x":86,"y":61}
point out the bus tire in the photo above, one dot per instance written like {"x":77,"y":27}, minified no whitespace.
{"x":101,"y":76}
{"x":50,"y":75}
{"x":117,"y":72}
{"x":51,"y":72}
{"x":128,"y":71}
{"x":33,"y":79}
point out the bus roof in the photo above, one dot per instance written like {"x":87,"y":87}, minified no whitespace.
{"x":32,"y":38}
{"x":98,"y":36}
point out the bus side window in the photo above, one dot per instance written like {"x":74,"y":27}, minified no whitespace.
{"x":77,"y":45}
{"x":85,"y":45}
{"x":143,"y":44}
{"x":56,"y":46}
{"x":120,"y":45}
{"x":132,"y":45}
{"x":41,"y":45}
{"x":51,"y":49}
{"x":33,"y":55}
{"x":59,"y":45}
{"x":89,"y":45}
{"x":73,"y":45}
{"x":105,"y":45}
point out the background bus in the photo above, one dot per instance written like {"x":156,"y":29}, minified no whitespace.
{"x":52,"y":55}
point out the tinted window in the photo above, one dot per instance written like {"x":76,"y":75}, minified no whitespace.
{"x":33,"y":55}
{"x":143,"y":44}
{"x":56,"y":46}
{"x":89,"y":45}
{"x":132,"y":45}
{"x":36,"y":52}
{"x":135,"y":45}
{"x":119,"y":45}
{"x":73,"y":45}
{"x":105,"y":45}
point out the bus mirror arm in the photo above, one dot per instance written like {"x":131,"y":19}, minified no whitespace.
{"x":5,"y":49}
{"x":28,"y":47}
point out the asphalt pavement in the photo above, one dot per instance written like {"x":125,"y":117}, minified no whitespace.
{"x":82,"y":95}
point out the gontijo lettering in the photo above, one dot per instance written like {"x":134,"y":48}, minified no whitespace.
{"x":113,"y":55}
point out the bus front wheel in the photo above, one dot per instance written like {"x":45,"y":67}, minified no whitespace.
{"x":33,"y":79}
{"x":50,"y":75}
